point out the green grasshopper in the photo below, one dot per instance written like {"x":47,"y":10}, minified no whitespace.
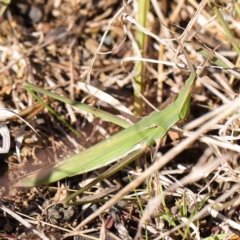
{"x":128,"y":144}
{"x":124,"y":146}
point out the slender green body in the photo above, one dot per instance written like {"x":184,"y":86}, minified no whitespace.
{"x":118,"y":146}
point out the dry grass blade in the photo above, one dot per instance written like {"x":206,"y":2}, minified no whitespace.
{"x":56,"y":46}
{"x":222,"y":198}
{"x":146,"y":31}
{"x":125,"y":4}
{"x":4,"y":129}
{"x":9,"y":113}
{"x":108,"y":99}
{"x":22,"y":221}
{"x":5,"y":138}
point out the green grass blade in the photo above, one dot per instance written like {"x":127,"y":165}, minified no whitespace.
{"x":141,"y":38}
{"x":237,"y":9}
{"x":212,"y":56}
{"x":209,"y":55}
{"x":226,"y":28}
